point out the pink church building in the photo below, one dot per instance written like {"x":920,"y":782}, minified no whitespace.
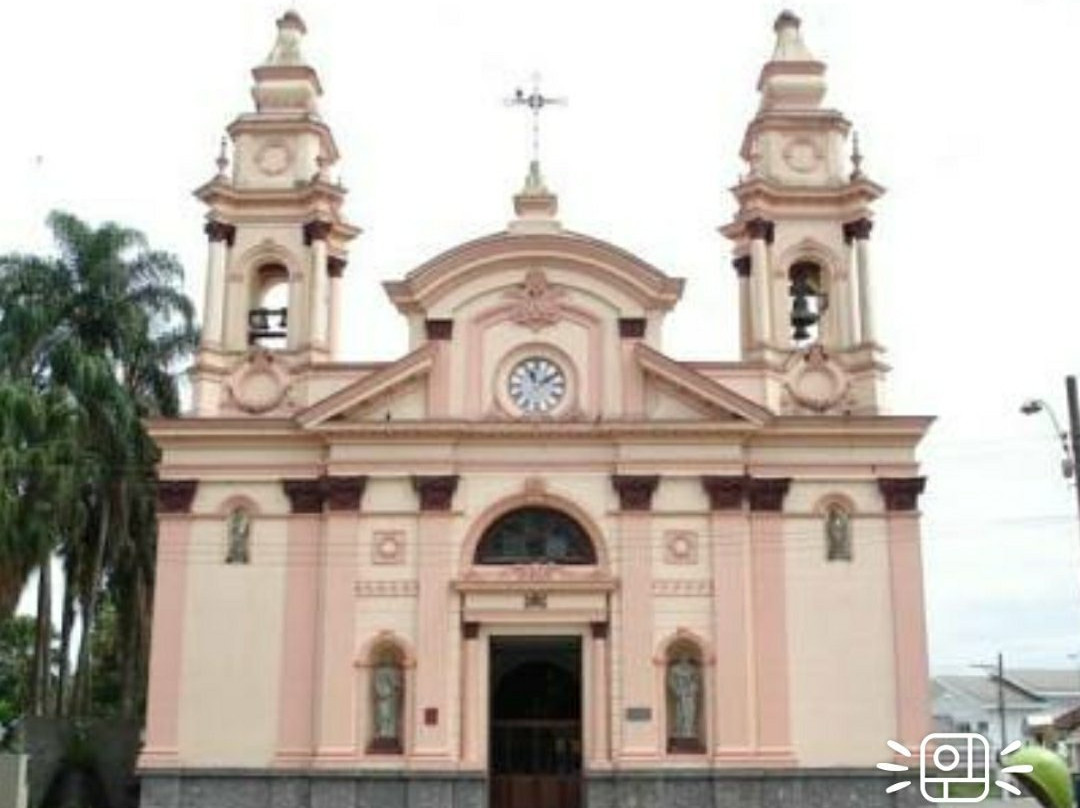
{"x":536,"y":561}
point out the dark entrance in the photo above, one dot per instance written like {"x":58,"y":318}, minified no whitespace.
{"x":535,"y":722}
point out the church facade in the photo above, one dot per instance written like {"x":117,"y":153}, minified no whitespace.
{"x":535,"y":561}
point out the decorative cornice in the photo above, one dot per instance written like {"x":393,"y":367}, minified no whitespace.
{"x":439,"y":329}
{"x":175,"y":496}
{"x":631,"y":327}
{"x":726,"y":493}
{"x":305,"y":496}
{"x":335,"y":266}
{"x":741,"y":264}
{"x":436,"y":493}
{"x":635,"y":490}
{"x":220,"y":231}
{"x":901,"y":493}
{"x":761,"y":228}
{"x":317,"y":230}
{"x":858,"y":229}
{"x":344,"y":493}
{"x":767,"y":493}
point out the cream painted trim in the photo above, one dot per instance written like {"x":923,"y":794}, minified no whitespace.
{"x":699,"y":386}
{"x":410,"y":366}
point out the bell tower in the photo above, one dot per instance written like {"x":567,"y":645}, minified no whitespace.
{"x":277,"y":238}
{"x":801,"y":242}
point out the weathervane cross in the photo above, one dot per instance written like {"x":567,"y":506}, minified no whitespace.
{"x":535,"y":101}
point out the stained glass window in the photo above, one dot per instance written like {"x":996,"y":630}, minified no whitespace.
{"x":535,"y":536}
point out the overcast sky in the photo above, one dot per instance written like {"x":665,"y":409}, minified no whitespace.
{"x":966,"y":110}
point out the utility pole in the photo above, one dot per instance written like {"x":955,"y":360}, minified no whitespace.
{"x":1074,"y":430}
{"x":1001,"y":698}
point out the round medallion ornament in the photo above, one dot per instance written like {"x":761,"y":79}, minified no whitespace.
{"x":801,"y":155}
{"x":273,"y":158}
{"x":536,"y":385}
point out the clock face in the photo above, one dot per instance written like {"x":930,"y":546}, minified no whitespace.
{"x":537,"y":385}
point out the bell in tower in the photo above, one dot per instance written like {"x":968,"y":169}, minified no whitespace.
{"x":800,"y":237}
{"x":277,"y":236}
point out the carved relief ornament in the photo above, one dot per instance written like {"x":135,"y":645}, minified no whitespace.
{"x":538,"y":303}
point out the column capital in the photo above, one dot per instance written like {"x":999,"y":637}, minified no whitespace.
{"x":344,"y":493}
{"x":440,"y":329}
{"x":631,"y":327}
{"x":436,"y":493}
{"x":305,"y":496}
{"x":635,"y":490}
{"x":726,"y":493}
{"x":317,"y":230}
{"x":599,"y":630}
{"x":741,"y":263}
{"x":175,"y":496}
{"x":335,"y":266}
{"x":767,"y":493}
{"x":761,"y":228}
{"x":470,"y":630}
{"x":220,"y":231}
{"x":858,"y":229}
{"x":901,"y":493}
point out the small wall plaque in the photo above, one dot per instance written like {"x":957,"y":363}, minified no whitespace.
{"x":638,"y":714}
{"x":431,"y":716}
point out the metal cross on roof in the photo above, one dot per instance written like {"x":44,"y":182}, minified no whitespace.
{"x":535,"y":101}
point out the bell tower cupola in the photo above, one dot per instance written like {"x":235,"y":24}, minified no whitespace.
{"x":801,"y":241}
{"x":277,"y":237}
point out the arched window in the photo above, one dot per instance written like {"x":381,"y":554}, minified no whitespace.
{"x":387,"y":698}
{"x":238,"y":537}
{"x":684,"y":687}
{"x":808,"y":301}
{"x":837,"y":525}
{"x":268,"y":315}
{"x":535,"y":536}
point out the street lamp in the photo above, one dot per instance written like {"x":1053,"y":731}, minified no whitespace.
{"x":1034,"y":405}
{"x":1070,"y":441}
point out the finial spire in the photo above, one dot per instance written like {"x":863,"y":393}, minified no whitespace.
{"x":286,"y":50}
{"x":856,"y":158}
{"x":222,"y":161}
{"x":789,"y":44}
{"x":535,"y":101}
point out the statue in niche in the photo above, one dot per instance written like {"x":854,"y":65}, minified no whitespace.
{"x":837,"y":534}
{"x":239,"y":538}
{"x":387,"y":686}
{"x":684,"y":684}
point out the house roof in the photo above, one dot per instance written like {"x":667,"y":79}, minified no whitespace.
{"x":984,"y":690}
{"x":1046,"y":681}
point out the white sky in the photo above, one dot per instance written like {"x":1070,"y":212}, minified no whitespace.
{"x":966,"y":112}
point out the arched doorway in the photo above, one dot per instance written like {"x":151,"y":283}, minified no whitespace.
{"x":535,"y":710}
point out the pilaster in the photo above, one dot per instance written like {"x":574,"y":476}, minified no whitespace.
{"x":336,"y":741}
{"x":164,"y":699}
{"x":901,"y":499}
{"x":297,"y":695}
{"x":436,"y":621}
{"x":639,"y":717}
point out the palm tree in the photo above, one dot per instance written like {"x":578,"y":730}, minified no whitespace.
{"x":89,"y":340}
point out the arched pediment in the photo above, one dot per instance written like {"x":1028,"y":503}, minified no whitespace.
{"x":479,"y":262}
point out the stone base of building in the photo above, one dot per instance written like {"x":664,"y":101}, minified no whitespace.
{"x":719,"y":788}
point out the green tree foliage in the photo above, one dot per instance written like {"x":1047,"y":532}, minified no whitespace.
{"x":90,"y":339}
{"x":16,"y":655}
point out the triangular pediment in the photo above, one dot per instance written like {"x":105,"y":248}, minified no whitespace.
{"x":681,"y":393}
{"x":400,"y":385}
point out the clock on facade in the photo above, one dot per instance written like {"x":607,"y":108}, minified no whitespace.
{"x":536,"y":385}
